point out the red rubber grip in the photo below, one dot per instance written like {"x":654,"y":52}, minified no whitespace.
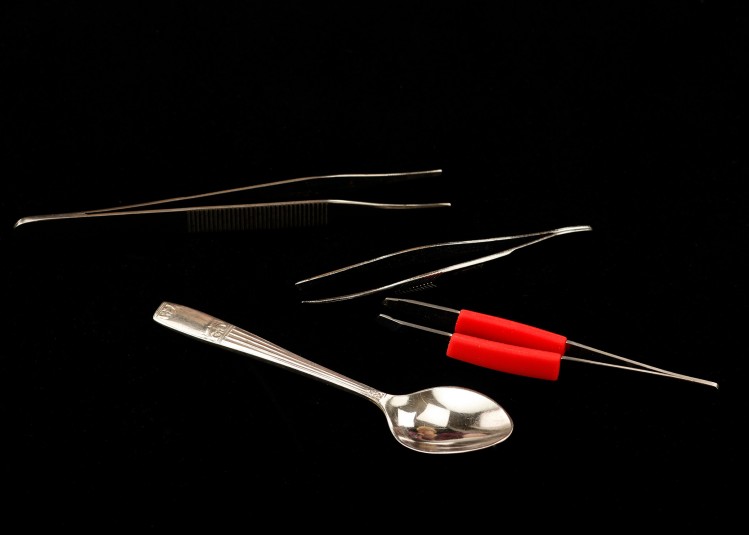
{"x":510,"y":332}
{"x":503,"y":357}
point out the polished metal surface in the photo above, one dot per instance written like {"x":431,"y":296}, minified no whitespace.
{"x":166,"y":206}
{"x":449,"y":316}
{"x":435,"y":311}
{"x":414,"y":256}
{"x":207,"y":211}
{"x":446,"y":419}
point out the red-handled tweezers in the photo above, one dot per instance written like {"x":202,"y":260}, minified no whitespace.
{"x":509,"y":346}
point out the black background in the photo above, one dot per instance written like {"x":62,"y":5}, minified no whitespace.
{"x":622,"y":116}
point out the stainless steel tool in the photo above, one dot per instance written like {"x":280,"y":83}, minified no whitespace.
{"x":445,"y":419}
{"x":194,"y":214}
{"x":416,"y":268}
{"x":509,"y":346}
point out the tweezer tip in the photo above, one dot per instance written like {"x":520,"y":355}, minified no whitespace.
{"x":388,"y":322}
{"x":394,"y":300}
{"x":30,"y":219}
{"x":704,"y":382}
{"x":27,"y":219}
{"x":326,"y":300}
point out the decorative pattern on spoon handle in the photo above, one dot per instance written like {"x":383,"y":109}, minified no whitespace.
{"x":210,"y":329}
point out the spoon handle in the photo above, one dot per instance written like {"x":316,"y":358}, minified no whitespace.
{"x":207,"y":328}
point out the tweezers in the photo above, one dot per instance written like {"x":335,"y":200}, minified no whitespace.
{"x":258,"y":215}
{"x":384,"y":273}
{"x":505,"y":345}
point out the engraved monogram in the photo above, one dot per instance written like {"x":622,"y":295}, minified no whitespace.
{"x":216,"y":331}
{"x":167,"y":311}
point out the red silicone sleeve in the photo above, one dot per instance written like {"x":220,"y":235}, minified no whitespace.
{"x":510,"y":332}
{"x":504,"y":357}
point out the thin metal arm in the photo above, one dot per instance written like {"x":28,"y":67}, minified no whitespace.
{"x":362,"y":176}
{"x":637,"y":366}
{"x":163,"y":205}
{"x":434,"y":274}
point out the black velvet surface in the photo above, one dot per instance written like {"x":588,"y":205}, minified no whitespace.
{"x":624,"y":117}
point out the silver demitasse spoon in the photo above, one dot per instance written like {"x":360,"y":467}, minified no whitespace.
{"x":444,"y":419}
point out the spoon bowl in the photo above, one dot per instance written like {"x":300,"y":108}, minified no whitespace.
{"x":443,"y":419}
{"x":446,"y":419}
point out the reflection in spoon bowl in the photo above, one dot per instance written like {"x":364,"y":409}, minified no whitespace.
{"x":444,"y":419}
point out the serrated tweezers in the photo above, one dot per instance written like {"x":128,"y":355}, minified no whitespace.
{"x":256,"y":215}
{"x":415,"y":268}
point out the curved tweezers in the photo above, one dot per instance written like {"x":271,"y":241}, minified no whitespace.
{"x":427,"y":278}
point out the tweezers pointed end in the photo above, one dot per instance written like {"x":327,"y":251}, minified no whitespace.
{"x":47,"y":217}
{"x":389,"y":322}
{"x":696,"y":380}
{"x":578,"y":228}
{"x":23,"y":221}
{"x":328,"y":300}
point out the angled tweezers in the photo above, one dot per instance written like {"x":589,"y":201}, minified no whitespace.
{"x":196,"y":214}
{"x":385,"y":273}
